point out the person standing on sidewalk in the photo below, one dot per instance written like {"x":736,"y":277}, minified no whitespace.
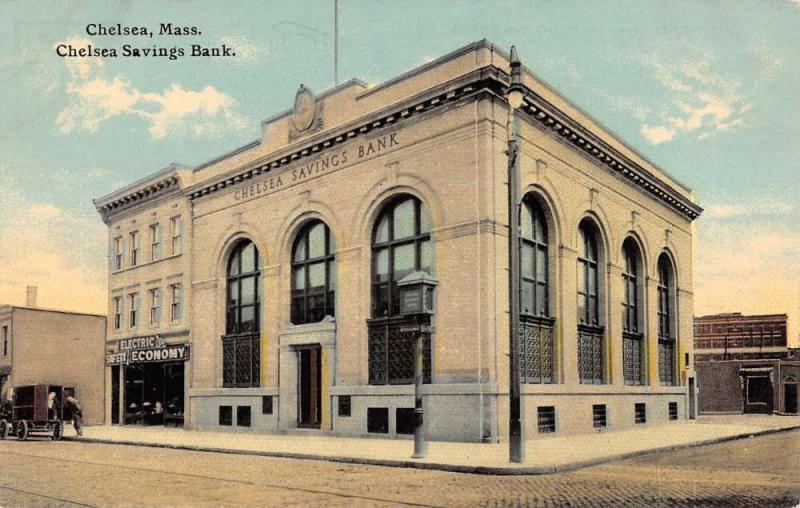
{"x":77,"y":413}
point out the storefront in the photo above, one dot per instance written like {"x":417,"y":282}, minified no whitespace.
{"x":147,"y":381}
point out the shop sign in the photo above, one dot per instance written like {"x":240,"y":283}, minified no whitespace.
{"x":146,"y":350}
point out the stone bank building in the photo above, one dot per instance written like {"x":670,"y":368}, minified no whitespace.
{"x":275,"y":267}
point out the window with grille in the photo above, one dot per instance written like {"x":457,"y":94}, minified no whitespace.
{"x":546,"y":419}
{"x":591,"y":342}
{"x":401,"y":244}
{"x":666,"y":327}
{"x":313,"y":274}
{"x":599,"y":416}
{"x":673,"y":410}
{"x":640,"y":413}
{"x":241,"y":346}
{"x":632,"y":337}
{"x":536,"y":325}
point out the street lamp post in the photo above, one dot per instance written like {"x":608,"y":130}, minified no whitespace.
{"x":516,"y":429}
{"x":416,"y":301}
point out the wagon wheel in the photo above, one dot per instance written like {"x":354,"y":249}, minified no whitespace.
{"x":58,"y":431}
{"x":3,"y":429}
{"x":22,"y":430}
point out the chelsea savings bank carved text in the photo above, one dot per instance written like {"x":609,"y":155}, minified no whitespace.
{"x":318,"y":167}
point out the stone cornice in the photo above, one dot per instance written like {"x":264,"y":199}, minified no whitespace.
{"x":447,"y":93}
{"x":491,"y":80}
{"x":549,"y":117}
{"x":146,"y":193}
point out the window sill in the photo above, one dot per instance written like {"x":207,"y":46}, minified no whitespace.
{"x":147,"y":263}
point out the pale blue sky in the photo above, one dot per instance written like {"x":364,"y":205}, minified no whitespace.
{"x":709,"y":90}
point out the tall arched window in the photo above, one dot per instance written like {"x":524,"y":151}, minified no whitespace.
{"x":590,"y":331}
{"x":632,"y":337}
{"x":666,"y":327}
{"x":313,"y":274}
{"x":241,"y":351}
{"x":536,"y":351}
{"x":401,"y":244}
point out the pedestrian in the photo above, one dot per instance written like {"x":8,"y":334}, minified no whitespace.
{"x":77,"y":413}
{"x":52,"y":406}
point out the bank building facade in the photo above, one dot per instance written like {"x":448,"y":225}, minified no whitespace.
{"x":259,"y":290}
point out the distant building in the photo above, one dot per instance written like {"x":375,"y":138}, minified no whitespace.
{"x":733,"y":336}
{"x":744,"y":364}
{"x":55,"y":347}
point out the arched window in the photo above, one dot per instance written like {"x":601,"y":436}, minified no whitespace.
{"x":666,"y":326}
{"x":401,"y":244}
{"x":241,"y":344}
{"x":632,"y":337}
{"x":536,"y":348}
{"x":590,"y":331}
{"x":313,"y":274}
{"x":533,"y":260}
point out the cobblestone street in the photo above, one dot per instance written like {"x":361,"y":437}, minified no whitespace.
{"x":761,"y":471}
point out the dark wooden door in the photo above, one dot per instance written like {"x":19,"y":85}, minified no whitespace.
{"x":309,"y":400}
{"x":790,"y":398}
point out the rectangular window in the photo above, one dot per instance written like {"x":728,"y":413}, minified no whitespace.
{"x":135,"y":247}
{"x":599,"y":416}
{"x":177,"y":234}
{"x":226,"y":415}
{"x":404,"y":420}
{"x":155,"y":306}
{"x":378,"y":420}
{"x":133,"y":304}
{"x":242,"y":416}
{"x":673,"y":410}
{"x":118,"y":253}
{"x":266,"y":405}
{"x":546,"y":419}
{"x":5,"y":341}
{"x":640,"y":413}
{"x":117,"y":312}
{"x":155,"y":242}
{"x":176,"y":303}
{"x":345,"y":405}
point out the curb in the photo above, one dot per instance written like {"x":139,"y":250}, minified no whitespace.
{"x":454,"y":468}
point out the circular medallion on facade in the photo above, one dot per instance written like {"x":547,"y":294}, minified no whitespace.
{"x":305,"y":109}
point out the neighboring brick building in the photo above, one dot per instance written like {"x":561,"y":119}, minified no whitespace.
{"x":733,"y":336}
{"x":745,"y":365}
{"x":55,"y":347}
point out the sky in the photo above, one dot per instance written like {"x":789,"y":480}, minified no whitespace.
{"x":708,"y":90}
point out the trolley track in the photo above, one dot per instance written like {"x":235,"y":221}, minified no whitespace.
{"x":166,"y":472}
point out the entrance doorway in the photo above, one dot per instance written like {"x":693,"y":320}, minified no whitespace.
{"x":758,"y":394}
{"x":692,"y":396}
{"x":309,"y":386}
{"x":790,"y":398}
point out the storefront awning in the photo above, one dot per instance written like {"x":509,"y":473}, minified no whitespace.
{"x":755,"y":370}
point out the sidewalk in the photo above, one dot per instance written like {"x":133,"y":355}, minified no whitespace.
{"x":544,"y":455}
